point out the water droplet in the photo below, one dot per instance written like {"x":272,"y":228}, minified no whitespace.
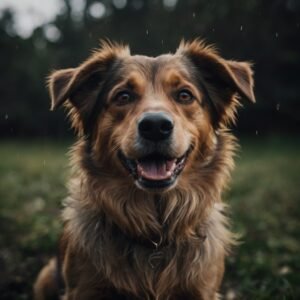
{"x":162,"y":42}
{"x":276,"y":34}
{"x":194,"y":15}
{"x":256,"y":132}
{"x":147,"y":32}
{"x":44,"y":162}
{"x":277,"y":106}
{"x":6,"y":117}
{"x":241,"y":28}
{"x":213,"y":30}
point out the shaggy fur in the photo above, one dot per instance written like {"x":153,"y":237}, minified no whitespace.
{"x":122,"y":240}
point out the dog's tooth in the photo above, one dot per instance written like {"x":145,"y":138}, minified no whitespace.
{"x":170,"y":164}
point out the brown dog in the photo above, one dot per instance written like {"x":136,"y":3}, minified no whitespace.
{"x":144,"y":219}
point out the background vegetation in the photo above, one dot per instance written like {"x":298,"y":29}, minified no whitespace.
{"x":33,"y":142}
{"x":262,"y":31}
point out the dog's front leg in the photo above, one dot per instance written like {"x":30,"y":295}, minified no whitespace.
{"x":80,"y":277}
{"x":83,"y":281}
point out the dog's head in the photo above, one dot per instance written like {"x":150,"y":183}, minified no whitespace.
{"x":153,"y":118}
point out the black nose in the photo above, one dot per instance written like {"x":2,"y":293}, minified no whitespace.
{"x":155,"y":126}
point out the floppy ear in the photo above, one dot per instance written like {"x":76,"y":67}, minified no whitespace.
{"x":222,"y":80}
{"x":79,"y":87}
{"x":242,"y":75}
{"x":59,"y":86}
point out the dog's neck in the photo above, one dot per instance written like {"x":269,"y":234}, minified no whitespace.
{"x":148,"y":219}
{"x":154,"y":218}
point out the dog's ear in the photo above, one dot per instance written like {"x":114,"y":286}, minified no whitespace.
{"x":222,"y":80}
{"x":79,"y":87}
{"x":59,"y":86}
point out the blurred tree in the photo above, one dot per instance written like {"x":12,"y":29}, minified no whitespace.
{"x":264,"y":32}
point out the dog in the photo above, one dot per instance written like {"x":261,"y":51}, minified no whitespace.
{"x":144,"y":218}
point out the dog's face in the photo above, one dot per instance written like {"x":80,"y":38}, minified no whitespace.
{"x":156,"y":118}
{"x":152,"y":118}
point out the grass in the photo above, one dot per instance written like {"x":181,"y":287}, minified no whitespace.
{"x":264,"y":199}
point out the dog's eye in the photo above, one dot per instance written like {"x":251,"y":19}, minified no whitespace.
{"x":123,"y":98}
{"x":185,"y":96}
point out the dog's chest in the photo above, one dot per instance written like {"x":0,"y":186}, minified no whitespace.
{"x":128,"y":264}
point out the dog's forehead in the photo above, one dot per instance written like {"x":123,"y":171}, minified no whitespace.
{"x":164,"y":65}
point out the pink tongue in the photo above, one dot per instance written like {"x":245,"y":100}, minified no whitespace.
{"x":156,"y":170}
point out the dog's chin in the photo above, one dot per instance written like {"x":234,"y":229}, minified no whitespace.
{"x":154,"y":172}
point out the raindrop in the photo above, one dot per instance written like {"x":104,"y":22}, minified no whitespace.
{"x":194,"y":15}
{"x":276,"y":34}
{"x":256,"y":132}
{"x":162,"y":42}
{"x":6,"y":117}
{"x":277,"y":106}
{"x":147,"y":32}
{"x":241,"y":28}
{"x":44,"y":162}
{"x":213,"y":30}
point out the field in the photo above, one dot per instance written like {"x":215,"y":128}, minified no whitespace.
{"x":264,"y":197}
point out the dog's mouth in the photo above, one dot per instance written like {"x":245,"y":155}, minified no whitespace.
{"x":154,"y":170}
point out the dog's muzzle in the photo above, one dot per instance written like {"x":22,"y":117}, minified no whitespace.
{"x":154,"y":167}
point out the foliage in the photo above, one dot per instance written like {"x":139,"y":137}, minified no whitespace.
{"x":265,"y":211}
{"x":264,"y":32}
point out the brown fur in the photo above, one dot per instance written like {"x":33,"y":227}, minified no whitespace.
{"x":110,"y":224}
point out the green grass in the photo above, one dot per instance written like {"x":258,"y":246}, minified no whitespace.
{"x":32,"y":177}
{"x":264,"y":199}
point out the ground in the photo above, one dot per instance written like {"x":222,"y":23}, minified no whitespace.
{"x":263,"y":197}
